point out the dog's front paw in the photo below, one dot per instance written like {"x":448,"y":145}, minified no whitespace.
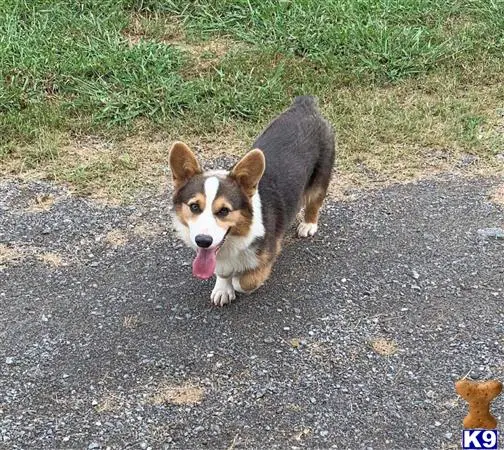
{"x":306,"y":229}
{"x":221,"y":297}
{"x":223,"y":292}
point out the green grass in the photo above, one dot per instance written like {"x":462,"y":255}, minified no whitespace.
{"x":390,"y":73}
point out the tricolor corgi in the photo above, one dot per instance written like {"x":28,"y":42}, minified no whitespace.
{"x":235,"y":220}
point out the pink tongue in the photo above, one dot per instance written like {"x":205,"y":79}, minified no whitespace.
{"x":204,"y":264}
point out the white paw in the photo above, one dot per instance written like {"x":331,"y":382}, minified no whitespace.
{"x":223,"y":292}
{"x":307,"y":229}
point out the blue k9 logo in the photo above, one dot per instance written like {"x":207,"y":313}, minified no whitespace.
{"x":480,"y":439}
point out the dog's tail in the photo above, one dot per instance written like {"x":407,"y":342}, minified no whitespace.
{"x":308,"y":101}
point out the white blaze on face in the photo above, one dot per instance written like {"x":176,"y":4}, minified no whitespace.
{"x":205,"y":223}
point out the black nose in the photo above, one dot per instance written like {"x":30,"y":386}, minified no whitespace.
{"x":203,"y":240}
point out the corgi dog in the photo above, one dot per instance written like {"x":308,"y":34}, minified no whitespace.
{"x":236,"y":219}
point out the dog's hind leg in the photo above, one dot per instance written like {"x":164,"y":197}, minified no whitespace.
{"x":313,"y":202}
{"x":316,"y":191}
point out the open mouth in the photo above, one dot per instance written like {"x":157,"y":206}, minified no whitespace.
{"x":206,"y":260}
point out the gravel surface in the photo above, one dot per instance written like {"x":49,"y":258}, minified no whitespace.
{"x":355,"y":342}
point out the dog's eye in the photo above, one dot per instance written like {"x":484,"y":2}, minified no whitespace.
{"x":195,"y":208}
{"x":223,"y":212}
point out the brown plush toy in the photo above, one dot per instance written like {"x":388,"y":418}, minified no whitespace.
{"x":479,"y":395}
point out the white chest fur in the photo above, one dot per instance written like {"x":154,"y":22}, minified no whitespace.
{"x":235,"y":260}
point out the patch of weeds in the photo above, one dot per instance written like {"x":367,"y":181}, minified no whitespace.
{"x":42,"y":202}
{"x":131,"y":322}
{"x":51,"y":259}
{"x":177,"y":395}
{"x":384,"y":347}
{"x":472,"y":127}
{"x":9,"y":254}
{"x":116,"y":238}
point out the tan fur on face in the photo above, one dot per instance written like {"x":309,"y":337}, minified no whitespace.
{"x":238,"y":221}
{"x":219,"y":203}
{"x":199,"y":199}
{"x":184,"y":214}
{"x":184,"y":211}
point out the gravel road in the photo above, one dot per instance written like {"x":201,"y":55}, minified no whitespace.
{"x":355,"y":342}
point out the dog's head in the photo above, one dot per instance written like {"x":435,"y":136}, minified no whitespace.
{"x":215,"y":206}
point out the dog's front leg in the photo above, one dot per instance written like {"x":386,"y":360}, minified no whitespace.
{"x":223,"y":291}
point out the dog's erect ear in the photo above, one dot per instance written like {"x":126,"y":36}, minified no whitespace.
{"x":249,"y":170}
{"x":183,"y":164}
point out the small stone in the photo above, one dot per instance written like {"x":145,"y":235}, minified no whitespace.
{"x":260,"y":394}
{"x":415,"y":274}
{"x":448,"y":435}
{"x":324,"y":433}
{"x":437,"y":424}
{"x":286,"y":328}
{"x":9,"y":360}
{"x":93,"y":445}
{"x":199,"y":429}
{"x":491,"y":233}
